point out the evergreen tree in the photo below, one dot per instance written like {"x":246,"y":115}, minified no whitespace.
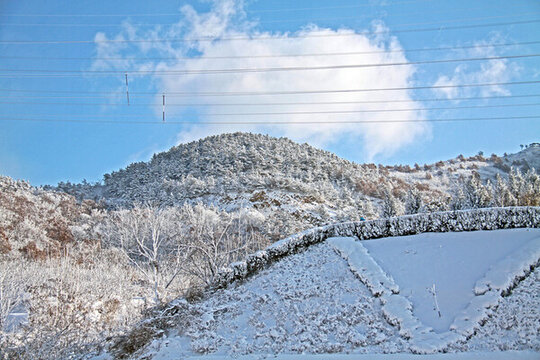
{"x":413,"y":202}
{"x":531,"y":196}
{"x":516,"y":184}
{"x":391,"y":205}
{"x":476,"y":194}
{"x":501,"y":195}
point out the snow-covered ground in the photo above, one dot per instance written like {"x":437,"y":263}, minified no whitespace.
{"x":453,"y":264}
{"x":349,"y":297}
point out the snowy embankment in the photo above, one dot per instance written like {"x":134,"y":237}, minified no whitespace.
{"x":350,"y":301}
{"x":447,"y":221}
{"x":339,"y":298}
{"x":439,"y":288}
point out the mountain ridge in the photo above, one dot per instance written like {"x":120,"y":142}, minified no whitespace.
{"x":277,"y":176}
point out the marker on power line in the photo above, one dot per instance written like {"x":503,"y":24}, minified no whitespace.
{"x":163,"y":107}
{"x":127,"y":90}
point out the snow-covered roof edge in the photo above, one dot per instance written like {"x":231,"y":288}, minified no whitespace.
{"x":446,"y":221}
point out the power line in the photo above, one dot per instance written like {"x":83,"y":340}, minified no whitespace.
{"x":177,"y":13}
{"x":63,"y":73}
{"x":255,"y":104}
{"x":285,"y":92}
{"x":250,"y":93}
{"x":293,"y":92}
{"x":276,"y":55}
{"x":185,"y":122}
{"x":357,"y":17}
{"x":285,"y":20}
{"x":294,"y":112}
{"x":334,"y":7}
{"x":440,"y":28}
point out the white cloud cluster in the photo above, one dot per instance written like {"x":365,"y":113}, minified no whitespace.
{"x":489,"y":71}
{"x":228,"y":20}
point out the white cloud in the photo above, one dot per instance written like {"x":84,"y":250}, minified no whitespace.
{"x":488,"y":71}
{"x":226,"y":20}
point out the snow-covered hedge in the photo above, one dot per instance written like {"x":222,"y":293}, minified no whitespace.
{"x":447,"y":221}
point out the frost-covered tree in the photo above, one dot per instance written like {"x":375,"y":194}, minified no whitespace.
{"x":531,"y":196}
{"x":458,"y":201}
{"x":367,"y":211}
{"x":501,"y":194}
{"x":476,"y":194}
{"x":147,"y":235}
{"x":413,"y":202}
{"x":516,"y":183}
{"x":525,"y":188}
{"x":391,"y":205}
{"x":436,"y":205}
{"x":214,"y":239}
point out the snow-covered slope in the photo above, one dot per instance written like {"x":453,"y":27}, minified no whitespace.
{"x":322,"y":300}
{"x":295,"y":183}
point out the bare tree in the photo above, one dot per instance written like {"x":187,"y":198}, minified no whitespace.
{"x":217,"y":239}
{"x":147,"y":236}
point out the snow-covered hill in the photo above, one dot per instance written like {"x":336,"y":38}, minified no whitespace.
{"x":327,"y":300}
{"x":293,"y":184}
{"x":445,"y":289}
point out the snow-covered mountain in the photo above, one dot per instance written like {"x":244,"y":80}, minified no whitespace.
{"x":280,"y":178}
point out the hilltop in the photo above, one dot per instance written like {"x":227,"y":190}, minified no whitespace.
{"x":295,"y":184}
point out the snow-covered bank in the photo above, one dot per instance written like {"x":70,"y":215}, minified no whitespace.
{"x":455,"y":221}
{"x":297,"y":288}
{"x":502,"y":355}
{"x":308,"y":302}
{"x":344,"y":304}
{"x":403,"y":273}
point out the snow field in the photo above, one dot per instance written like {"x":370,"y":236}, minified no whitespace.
{"x":439,"y":303}
{"x":335,"y":298}
{"x":448,"y":221}
{"x":235,"y":320}
{"x":307,"y":303}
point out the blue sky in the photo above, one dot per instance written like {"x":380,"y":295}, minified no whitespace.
{"x":54,"y":95}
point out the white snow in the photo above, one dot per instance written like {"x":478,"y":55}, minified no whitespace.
{"x":308,"y":302}
{"x":344,"y":297}
{"x":502,"y":355}
{"x":470,"y":271}
{"x":454,"y":262}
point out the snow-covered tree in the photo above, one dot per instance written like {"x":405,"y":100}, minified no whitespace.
{"x":147,"y":235}
{"x":413,"y":202}
{"x":391,"y":205}
{"x":476,"y":194}
{"x":516,"y":183}
{"x":501,"y":194}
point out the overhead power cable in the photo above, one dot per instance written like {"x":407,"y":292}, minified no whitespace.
{"x":258,"y":38}
{"x":185,"y":104}
{"x":282,"y":92}
{"x":314,"y":112}
{"x":293,"y":92}
{"x":461,"y":19}
{"x":63,"y":73}
{"x":352,"y":53}
{"x":335,"y":7}
{"x":296,"y":19}
{"x":186,"y":122}
{"x":178,"y":13}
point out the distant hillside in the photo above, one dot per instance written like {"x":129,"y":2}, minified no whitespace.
{"x":283,"y":179}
